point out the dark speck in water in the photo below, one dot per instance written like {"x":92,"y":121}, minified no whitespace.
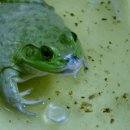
{"x":101,"y":2}
{"x":10,"y":121}
{"x":110,"y":42}
{"x":90,"y":58}
{"x":49,"y":98}
{"x":97,"y":126}
{"x":109,"y":2}
{"x":118,"y":84}
{"x":75,"y":102}
{"x":68,"y":107}
{"x":82,"y":10}
{"x":76,"y":24}
{"x":80,"y":21}
{"x":112,"y":120}
{"x":92,"y":96}
{"x":82,"y":97}
{"x":72,"y":14}
{"x":125,"y":95}
{"x":104,"y":19}
{"x":116,"y":98}
{"x":57,"y":93}
{"x":64,"y":15}
{"x":106,"y":79}
{"x":87,"y":107}
{"x":114,"y":17}
{"x":107,"y":110}
{"x":71,"y":93}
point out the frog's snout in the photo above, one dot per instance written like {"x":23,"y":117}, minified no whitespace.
{"x":73,"y":65}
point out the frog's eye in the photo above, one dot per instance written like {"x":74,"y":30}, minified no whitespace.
{"x":46,"y":52}
{"x":74,"y":36}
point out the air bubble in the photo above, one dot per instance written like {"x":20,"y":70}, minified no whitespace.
{"x":56,"y":113}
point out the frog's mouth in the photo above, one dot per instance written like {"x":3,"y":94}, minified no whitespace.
{"x":73,"y":66}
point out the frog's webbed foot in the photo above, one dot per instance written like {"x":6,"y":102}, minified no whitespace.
{"x":11,"y":93}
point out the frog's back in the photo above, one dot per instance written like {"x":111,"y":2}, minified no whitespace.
{"x":20,"y":23}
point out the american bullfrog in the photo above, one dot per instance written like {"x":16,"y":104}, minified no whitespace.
{"x":34,"y":41}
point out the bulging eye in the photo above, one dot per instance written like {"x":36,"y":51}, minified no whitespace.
{"x":47,"y":52}
{"x":74,"y":36}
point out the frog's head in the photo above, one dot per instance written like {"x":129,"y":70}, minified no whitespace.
{"x":61,"y":55}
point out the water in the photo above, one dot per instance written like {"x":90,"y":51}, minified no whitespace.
{"x":106,"y":43}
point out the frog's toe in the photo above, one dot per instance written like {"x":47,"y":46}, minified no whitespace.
{"x":22,"y":109}
{"x":27,"y":92}
{"x":32,"y":102}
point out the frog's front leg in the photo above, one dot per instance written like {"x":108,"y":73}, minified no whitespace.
{"x":11,"y":93}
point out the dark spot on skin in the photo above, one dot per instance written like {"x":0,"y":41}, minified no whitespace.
{"x":40,"y":27}
{"x":112,"y":121}
{"x":1,"y":43}
{"x":107,"y":110}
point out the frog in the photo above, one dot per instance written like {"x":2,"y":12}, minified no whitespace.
{"x":34,"y":41}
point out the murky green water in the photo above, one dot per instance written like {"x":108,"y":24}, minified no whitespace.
{"x":99,"y":99}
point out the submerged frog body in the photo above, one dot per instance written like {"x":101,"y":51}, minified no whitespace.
{"x":33,"y":42}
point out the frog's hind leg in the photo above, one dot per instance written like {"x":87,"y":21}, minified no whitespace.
{"x":11,"y":93}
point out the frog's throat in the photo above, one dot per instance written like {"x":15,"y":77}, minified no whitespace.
{"x":73,"y":67}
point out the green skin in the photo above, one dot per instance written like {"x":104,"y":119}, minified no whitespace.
{"x":33,"y":42}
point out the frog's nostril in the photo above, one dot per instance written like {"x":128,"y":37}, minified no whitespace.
{"x":71,"y":58}
{"x":75,"y":57}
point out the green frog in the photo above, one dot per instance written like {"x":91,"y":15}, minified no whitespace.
{"x":34,"y":41}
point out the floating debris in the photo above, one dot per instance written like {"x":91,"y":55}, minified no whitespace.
{"x":87,"y":107}
{"x":56,"y":113}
